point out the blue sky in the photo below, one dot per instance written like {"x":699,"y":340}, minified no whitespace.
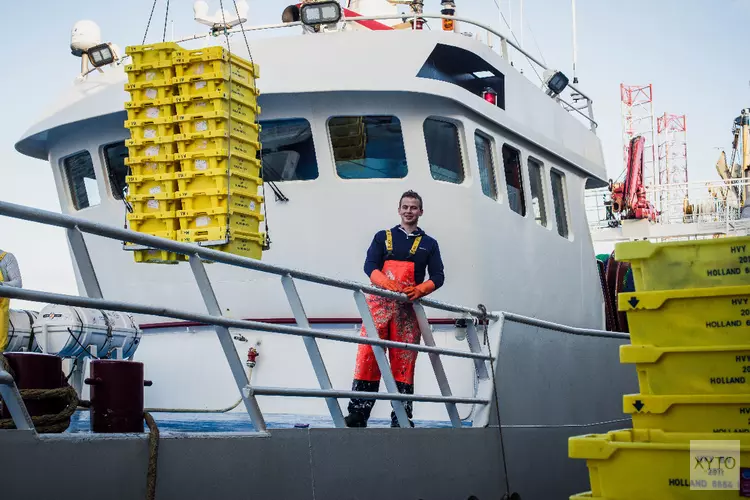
{"x":686,"y":48}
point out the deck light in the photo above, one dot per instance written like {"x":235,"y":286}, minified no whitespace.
{"x":555,"y":81}
{"x":320,"y":13}
{"x":101,"y":55}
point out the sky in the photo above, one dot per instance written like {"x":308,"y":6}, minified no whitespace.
{"x":686,"y":48}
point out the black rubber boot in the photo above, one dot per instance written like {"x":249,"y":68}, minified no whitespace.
{"x":360,"y":408}
{"x":403,"y":389}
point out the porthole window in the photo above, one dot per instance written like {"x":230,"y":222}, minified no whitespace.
{"x":514,"y":179}
{"x":486,"y":162}
{"x":536,"y":184}
{"x":444,"y":151}
{"x":368,"y":147}
{"x":117,"y":171}
{"x":558,"y":198}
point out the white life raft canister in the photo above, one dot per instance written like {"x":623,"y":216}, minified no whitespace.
{"x":66,"y":331}
{"x":20,"y":324}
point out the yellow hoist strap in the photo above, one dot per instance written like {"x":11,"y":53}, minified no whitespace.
{"x":2,"y":256}
{"x":389,"y":243}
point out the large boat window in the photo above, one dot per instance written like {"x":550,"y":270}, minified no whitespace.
{"x":465,"y":69}
{"x":79,"y":170}
{"x":514,"y":179}
{"x":117,"y":171}
{"x":444,"y":151}
{"x":486,"y":165}
{"x":537,"y":192}
{"x":288,"y":150}
{"x":368,"y":147}
{"x":558,"y":198}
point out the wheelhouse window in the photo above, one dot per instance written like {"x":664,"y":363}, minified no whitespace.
{"x":288,"y":150}
{"x":537,"y":192}
{"x":79,"y":171}
{"x":444,"y":151}
{"x":368,"y":147}
{"x":514,"y":179}
{"x":558,"y":198}
{"x":486,"y":165}
{"x":117,"y":171}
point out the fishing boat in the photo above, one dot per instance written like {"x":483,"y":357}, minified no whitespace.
{"x":515,"y":356}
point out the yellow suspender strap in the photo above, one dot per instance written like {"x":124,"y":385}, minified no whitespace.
{"x":388,"y":241}
{"x":2,"y":256}
{"x":415,"y":246}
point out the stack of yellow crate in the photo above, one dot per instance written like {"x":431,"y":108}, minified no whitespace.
{"x":689,"y":325}
{"x":193,"y":150}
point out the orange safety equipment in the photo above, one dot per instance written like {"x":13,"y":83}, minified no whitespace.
{"x":419,"y":291}
{"x":394,"y":321}
{"x":379,"y":279}
{"x":4,"y":312}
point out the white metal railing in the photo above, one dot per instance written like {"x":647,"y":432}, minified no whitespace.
{"x":709,"y":203}
{"x":76,"y":227}
{"x":584,"y":110}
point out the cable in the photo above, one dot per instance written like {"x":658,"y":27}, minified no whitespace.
{"x":279,"y":195}
{"x":149,"y":22}
{"x":486,"y":322}
{"x":166,"y":17}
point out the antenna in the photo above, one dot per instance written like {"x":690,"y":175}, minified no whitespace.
{"x":521,"y":20}
{"x":575,"y":44}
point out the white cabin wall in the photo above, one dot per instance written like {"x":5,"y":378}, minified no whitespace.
{"x":492,"y":255}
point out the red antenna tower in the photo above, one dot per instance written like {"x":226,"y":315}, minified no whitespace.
{"x":637,"y":109}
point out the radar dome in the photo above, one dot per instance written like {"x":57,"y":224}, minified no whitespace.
{"x":85,"y":34}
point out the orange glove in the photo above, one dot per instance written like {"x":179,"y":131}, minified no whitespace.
{"x":419,"y":291}
{"x":379,"y":279}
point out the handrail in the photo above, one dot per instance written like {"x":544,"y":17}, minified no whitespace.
{"x":113,"y":305}
{"x":71,"y":222}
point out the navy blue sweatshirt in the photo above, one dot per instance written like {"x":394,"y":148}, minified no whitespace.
{"x":427,"y":257}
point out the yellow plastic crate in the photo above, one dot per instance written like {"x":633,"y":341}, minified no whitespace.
{"x":142,"y":165}
{"x":687,"y":264}
{"x":717,"y":413}
{"x":217,"y":159}
{"x":250,"y":247}
{"x":146,"y":92}
{"x":217,"y":121}
{"x":235,"y":219}
{"x":691,"y":317}
{"x":151,"y":148}
{"x":215,"y":106}
{"x":153,"y":222}
{"x":155,"y":74}
{"x":152,"y":110}
{"x":142,"y":130}
{"x":690,"y":370}
{"x":215,"y":61}
{"x":205,"y":86}
{"x":145,"y":204}
{"x":155,"y":256}
{"x":155,"y":53}
{"x":217,"y":181}
{"x":219,"y":200}
{"x":140,"y":186}
{"x":211,"y":141}
{"x":648,"y":464}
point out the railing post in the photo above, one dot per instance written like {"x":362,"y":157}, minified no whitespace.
{"x":14,"y":403}
{"x":227,"y":345}
{"x":486,"y":388}
{"x":385,"y":369}
{"x":85,"y":266}
{"x":295,"y":302}
{"x":437,"y":364}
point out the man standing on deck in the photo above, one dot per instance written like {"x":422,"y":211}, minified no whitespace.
{"x":397,"y":260}
{"x":10,"y":275}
